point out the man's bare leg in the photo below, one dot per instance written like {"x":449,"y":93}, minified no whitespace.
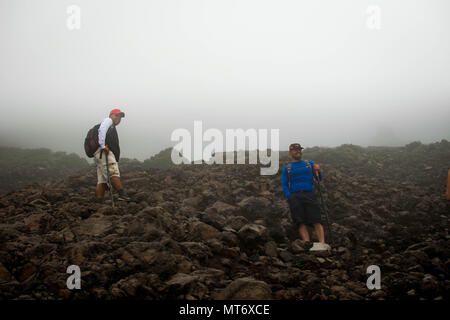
{"x":303,"y":231}
{"x":115,"y":181}
{"x":102,"y":187}
{"x":100,"y":191}
{"x":319,"y":232}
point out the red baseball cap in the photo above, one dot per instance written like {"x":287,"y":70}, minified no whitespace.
{"x":117,"y":111}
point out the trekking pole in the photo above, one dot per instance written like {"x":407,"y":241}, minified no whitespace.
{"x":109,"y":181}
{"x":323,"y":203}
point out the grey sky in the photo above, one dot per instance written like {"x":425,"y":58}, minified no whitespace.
{"x":309,"y":68}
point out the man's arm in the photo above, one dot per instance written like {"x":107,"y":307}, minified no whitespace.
{"x":102,"y":130}
{"x":285,"y":182}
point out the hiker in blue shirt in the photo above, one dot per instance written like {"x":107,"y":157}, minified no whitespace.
{"x":297,"y":182}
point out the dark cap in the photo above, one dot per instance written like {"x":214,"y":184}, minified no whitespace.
{"x":295,"y":146}
{"x":117,"y":111}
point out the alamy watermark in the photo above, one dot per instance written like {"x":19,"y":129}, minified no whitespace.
{"x":73,"y":281}
{"x":73,"y":21}
{"x":251,"y":141}
{"x":373,"y":21}
{"x":374,"y":281}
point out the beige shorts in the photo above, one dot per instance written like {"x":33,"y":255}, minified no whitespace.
{"x":101,"y":166}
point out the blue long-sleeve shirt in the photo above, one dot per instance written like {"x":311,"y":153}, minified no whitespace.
{"x":301,"y":177}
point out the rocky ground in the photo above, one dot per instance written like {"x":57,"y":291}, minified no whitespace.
{"x":224,"y":232}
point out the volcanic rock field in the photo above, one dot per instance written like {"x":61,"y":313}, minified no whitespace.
{"x":225,"y":232}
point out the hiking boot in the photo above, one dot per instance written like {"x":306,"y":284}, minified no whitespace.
{"x":123,"y":196}
{"x":100,"y":200}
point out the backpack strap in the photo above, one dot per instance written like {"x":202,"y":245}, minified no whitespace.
{"x":308,"y":164}
{"x":315,"y":179}
{"x":289,"y":174}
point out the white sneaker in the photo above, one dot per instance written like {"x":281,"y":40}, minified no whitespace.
{"x":320,"y":246}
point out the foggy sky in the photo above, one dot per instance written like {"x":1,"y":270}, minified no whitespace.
{"x":312,"y":69}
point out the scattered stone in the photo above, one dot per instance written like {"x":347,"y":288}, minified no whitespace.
{"x":246,"y":289}
{"x":271,"y":249}
{"x":252,"y":232}
{"x":203,"y":231}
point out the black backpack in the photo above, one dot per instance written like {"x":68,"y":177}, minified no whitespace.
{"x":91,"y":142}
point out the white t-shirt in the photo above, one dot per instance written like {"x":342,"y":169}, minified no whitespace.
{"x":102,"y":130}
